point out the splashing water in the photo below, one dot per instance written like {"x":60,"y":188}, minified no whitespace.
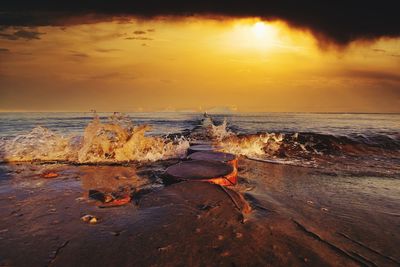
{"x":116,"y":141}
{"x":252,"y":145}
{"x":220,"y":132}
{"x":245,"y":145}
{"x":40,"y":143}
{"x":119,"y":140}
{"x":266,"y":144}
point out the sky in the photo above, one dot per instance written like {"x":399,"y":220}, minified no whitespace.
{"x":196,"y":58}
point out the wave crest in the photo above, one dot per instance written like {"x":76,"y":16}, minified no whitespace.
{"x":116,"y":141}
{"x":252,"y":145}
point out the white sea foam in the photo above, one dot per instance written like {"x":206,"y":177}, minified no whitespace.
{"x":246,"y":145}
{"x":115,"y":141}
{"x":220,"y":132}
{"x":252,"y":145}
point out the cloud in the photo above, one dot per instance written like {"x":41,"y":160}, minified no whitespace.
{"x":139,"y":38}
{"x":383,"y":51}
{"x":20,"y":34}
{"x":4,"y":50}
{"x":371,"y":74}
{"x":78,"y":55}
{"x":8,"y":36}
{"x":379,"y":50}
{"x":112,"y":75}
{"x":336,"y":21}
{"x":139,"y":32}
{"x":28,"y":35}
{"x":105,"y":50}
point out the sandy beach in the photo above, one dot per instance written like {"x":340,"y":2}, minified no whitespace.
{"x":299,"y":216}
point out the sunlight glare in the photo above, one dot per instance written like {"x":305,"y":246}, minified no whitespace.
{"x":254,"y":35}
{"x":259,"y":29}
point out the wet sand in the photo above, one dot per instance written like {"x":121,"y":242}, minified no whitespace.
{"x":299,"y":217}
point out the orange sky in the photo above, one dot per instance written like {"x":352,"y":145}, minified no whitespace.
{"x":196,"y":64}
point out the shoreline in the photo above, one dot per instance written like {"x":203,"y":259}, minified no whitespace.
{"x":174,"y":226}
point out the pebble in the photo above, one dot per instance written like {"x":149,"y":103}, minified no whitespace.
{"x":89,"y":219}
{"x":115,"y":233}
{"x":164,"y":248}
{"x":108,"y":198}
{"x":225,"y":254}
{"x":49,"y":175}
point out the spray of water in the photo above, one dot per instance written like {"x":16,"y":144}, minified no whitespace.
{"x":252,"y":145}
{"x":220,"y":132}
{"x":115,"y":141}
{"x":266,"y":144}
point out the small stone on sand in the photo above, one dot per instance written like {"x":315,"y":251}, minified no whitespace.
{"x":89,"y":219}
{"x":50,"y":175}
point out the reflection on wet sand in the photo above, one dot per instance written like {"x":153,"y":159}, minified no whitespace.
{"x":300,"y":216}
{"x":106,"y":178}
{"x":356,"y":214}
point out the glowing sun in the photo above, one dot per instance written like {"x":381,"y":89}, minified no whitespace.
{"x":259,"y":29}
{"x":254,"y":35}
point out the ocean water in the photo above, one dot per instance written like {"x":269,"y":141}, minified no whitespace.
{"x":335,"y":140}
{"x":13,"y":124}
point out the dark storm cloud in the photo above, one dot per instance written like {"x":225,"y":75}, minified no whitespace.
{"x":340,"y":21}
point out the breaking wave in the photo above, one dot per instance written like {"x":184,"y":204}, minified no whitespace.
{"x":303,"y":144}
{"x":375,"y":152}
{"x":252,"y":145}
{"x":118,"y":140}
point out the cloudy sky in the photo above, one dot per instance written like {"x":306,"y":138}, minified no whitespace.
{"x":180,"y":55}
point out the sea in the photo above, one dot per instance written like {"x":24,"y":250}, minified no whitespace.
{"x":338,"y":141}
